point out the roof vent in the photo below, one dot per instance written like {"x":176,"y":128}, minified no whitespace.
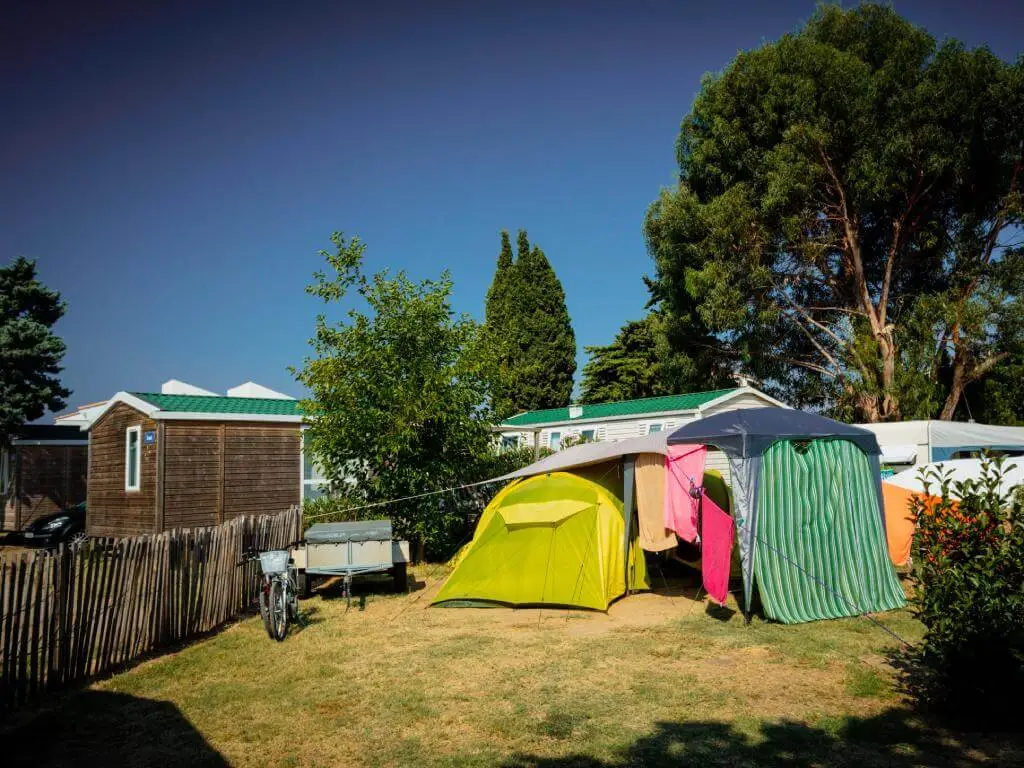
{"x":177,"y":387}
{"x":252,"y":389}
{"x":575,"y":411}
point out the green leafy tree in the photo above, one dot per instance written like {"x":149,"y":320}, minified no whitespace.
{"x":626,"y":369}
{"x":644,"y":361}
{"x":30,"y":353}
{"x":999,"y":398}
{"x":397,"y":394}
{"x":840,"y":223}
{"x":529,"y":333}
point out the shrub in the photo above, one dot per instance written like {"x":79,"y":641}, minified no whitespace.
{"x":969,"y":555}
{"x":336,"y":508}
{"x":457,"y":511}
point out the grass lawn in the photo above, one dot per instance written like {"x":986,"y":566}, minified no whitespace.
{"x":659,"y":680}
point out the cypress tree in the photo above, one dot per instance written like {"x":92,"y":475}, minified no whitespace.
{"x":529,"y":333}
{"x":543,"y":374}
{"x":497,"y":333}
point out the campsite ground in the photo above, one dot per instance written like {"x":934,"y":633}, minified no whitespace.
{"x":660,"y":680}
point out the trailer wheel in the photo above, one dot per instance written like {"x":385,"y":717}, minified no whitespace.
{"x":400,"y":573}
{"x":303,"y":585}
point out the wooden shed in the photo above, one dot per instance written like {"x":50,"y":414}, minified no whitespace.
{"x":161,"y":461}
{"x":42,"y":473}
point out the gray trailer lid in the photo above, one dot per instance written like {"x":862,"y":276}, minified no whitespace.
{"x":341,"y":533}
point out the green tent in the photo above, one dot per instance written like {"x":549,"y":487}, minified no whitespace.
{"x":808,"y":512}
{"x":552,"y":539}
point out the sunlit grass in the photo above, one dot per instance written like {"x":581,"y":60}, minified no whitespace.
{"x":656,"y":680}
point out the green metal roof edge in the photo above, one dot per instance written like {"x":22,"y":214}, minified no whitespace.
{"x":638,"y":407}
{"x":248,"y":406}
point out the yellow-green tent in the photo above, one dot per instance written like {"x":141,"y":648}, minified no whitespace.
{"x":552,"y":539}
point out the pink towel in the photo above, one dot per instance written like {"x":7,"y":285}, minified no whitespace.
{"x":716,"y":549}
{"x":684,"y":472}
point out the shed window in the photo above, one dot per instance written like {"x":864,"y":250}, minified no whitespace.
{"x":314,"y":482}
{"x":555,"y":440}
{"x":509,"y":442}
{"x":653,"y":427}
{"x":589,"y":435}
{"x":132,"y":458}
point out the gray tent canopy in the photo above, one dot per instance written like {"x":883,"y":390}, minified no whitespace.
{"x":747,"y":432}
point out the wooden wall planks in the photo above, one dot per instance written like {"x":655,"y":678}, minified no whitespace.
{"x":198,"y":473}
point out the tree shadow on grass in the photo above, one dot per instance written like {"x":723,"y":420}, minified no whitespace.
{"x":106,"y":729}
{"x":897,"y":738}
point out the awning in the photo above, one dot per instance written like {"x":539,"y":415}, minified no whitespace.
{"x":747,"y":432}
{"x":899,"y":454}
{"x":591,"y":453}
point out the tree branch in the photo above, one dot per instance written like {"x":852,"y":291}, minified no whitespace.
{"x":985,"y":366}
{"x":853,"y":246}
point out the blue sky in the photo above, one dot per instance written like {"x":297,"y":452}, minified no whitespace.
{"x":174,"y":169}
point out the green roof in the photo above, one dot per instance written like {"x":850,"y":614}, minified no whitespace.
{"x":248,"y":406}
{"x":687,"y":402}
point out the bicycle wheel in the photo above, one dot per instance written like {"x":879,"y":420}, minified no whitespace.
{"x":278,"y":610}
{"x":265,"y":608}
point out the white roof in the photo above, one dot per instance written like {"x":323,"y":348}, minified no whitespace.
{"x":958,"y":470}
{"x":898,"y":454}
{"x":252,"y":389}
{"x":945,"y":434}
{"x":82,"y":417}
{"x":952,"y":434}
{"x":899,"y":432}
{"x":178,"y":387}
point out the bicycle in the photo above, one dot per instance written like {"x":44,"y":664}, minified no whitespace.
{"x":279,"y":602}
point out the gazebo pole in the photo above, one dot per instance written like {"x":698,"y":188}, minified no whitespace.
{"x":628,"y":464}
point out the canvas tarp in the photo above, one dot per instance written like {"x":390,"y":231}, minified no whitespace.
{"x":820,"y":547}
{"x":553,"y":539}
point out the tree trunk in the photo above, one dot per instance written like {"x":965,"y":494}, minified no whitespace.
{"x":890,"y":406}
{"x":956,"y":385}
{"x":956,"y":389}
{"x":886,"y":405}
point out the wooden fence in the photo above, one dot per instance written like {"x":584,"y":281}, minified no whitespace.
{"x":85,"y":610}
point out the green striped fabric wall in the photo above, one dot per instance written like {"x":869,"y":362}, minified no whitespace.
{"x":817,"y":506}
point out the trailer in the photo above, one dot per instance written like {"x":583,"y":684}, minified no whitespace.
{"x":349,"y":550}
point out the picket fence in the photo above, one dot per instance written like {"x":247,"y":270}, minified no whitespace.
{"x":87,"y":609}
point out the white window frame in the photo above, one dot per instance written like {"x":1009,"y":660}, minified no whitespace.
{"x":137,"y":430}
{"x":320,"y":483}
{"x":649,"y":424}
{"x":594,"y":437}
{"x":558,"y":445}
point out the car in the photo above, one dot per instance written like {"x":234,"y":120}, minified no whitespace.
{"x":58,"y":528}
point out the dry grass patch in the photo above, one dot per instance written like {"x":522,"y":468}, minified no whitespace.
{"x":656,"y":681}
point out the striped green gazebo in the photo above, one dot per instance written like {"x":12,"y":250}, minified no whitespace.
{"x":807,"y":501}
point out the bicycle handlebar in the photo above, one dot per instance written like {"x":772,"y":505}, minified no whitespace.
{"x":253,"y":553}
